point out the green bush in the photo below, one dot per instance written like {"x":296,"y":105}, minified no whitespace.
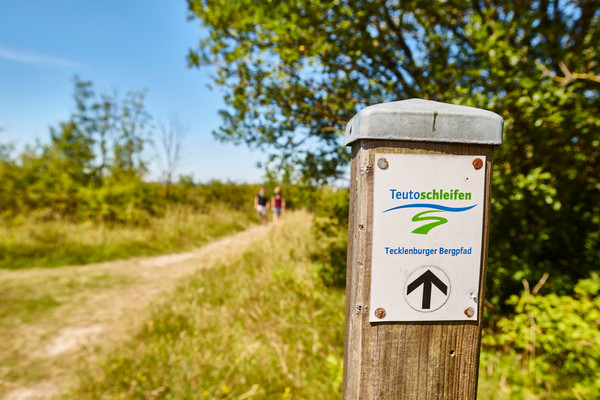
{"x":129,"y":202}
{"x":331,"y":230}
{"x":553,"y":340}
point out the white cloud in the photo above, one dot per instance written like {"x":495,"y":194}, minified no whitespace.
{"x":32,"y":57}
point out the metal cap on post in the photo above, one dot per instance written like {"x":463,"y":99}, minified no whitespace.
{"x":425,"y":120}
{"x":419,"y":207}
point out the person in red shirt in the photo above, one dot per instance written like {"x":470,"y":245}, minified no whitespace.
{"x":278,"y":204}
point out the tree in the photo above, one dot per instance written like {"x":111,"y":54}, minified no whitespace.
{"x":295,"y":72}
{"x":171,"y":136}
{"x":118,"y":129}
{"x":134,"y":132}
{"x":97,"y":117}
{"x":91,"y":168}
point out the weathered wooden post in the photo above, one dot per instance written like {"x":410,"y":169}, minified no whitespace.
{"x":419,"y":208}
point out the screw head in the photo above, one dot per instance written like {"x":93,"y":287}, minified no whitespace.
{"x":383,"y":163}
{"x":478,"y":163}
{"x":380,"y":313}
{"x":469,"y":312}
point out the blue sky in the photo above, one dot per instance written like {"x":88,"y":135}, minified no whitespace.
{"x":118,"y":45}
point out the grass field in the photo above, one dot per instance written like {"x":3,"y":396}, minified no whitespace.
{"x":26,"y":244}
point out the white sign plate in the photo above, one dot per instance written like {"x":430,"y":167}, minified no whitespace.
{"x":427,"y":237}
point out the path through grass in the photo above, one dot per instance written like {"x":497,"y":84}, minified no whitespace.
{"x":260,"y":325}
{"x":54,"y":321}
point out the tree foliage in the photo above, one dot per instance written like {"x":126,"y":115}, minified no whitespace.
{"x":294,"y":72}
{"x":116,"y":130}
{"x":92,"y":167}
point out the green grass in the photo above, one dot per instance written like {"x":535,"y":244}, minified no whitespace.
{"x":27,"y":244}
{"x":260,"y":326}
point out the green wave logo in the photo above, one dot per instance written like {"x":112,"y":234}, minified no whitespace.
{"x":424,"y":229}
{"x":424,"y":215}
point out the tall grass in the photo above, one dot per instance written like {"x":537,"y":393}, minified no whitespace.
{"x":30,"y":243}
{"x":260,"y":326}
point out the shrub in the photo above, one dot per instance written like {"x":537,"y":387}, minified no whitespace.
{"x":331,"y":230}
{"x":554,"y":339}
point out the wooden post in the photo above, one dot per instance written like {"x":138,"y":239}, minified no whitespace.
{"x":413,"y":320}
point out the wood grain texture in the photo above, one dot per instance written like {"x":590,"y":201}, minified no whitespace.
{"x":427,"y":360}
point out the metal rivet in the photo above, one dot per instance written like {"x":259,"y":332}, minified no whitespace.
{"x":380,"y":313}
{"x":469,"y":312}
{"x":478,"y":163}
{"x":382,"y":163}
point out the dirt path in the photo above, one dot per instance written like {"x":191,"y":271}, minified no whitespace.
{"x":96,"y":318}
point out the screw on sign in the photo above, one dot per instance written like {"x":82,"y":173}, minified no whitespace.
{"x":478,"y":163}
{"x":382,"y":163}
{"x":380,"y":313}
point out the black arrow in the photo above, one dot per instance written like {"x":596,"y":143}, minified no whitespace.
{"x":427,"y":279}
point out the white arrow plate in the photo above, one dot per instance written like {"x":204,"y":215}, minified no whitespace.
{"x":427,"y":237}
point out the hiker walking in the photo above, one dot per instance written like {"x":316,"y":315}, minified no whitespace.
{"x":278,"y":203}
{"x":261,"y":205}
